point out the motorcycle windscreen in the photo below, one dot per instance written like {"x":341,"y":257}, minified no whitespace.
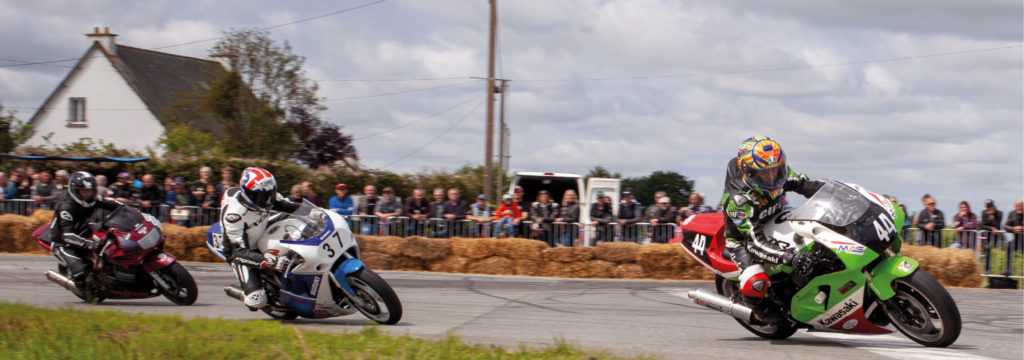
{"x":124,"y":218}
{"x":846,"y":211}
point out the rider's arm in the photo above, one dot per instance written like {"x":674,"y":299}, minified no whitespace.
{"x":282,"y":204}
{"x":236,"y":248}
{"x":107,"y":204}
{"x":801,"y":184}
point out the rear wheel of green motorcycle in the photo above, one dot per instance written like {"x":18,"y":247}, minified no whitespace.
{"x":380,"y":303}
{"x":731,"y":290}
{"x":923,"y":310}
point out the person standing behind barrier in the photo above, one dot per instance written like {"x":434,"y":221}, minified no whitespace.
{"x":418,"y":209}
{"x":1015,"y":225}
{"x":697,"y":205}
{"x":45,"y":191}
{"x":211,"y":198}
{"x":123,"y":189}
{"x":295,"y":194}
{"x":454,"y":211}
{"x":664,"y":216}
{"x":8,"y":188}
{"x":652,"y":211}
{"x":150,"y":195}
{"x":991,"y":219}
{"x":629,"y":214}
{"x":518,"y":195}
{"x":387,"y":209}
{"x":601,"y":217}
{"x":102,"y":190}
{"x":198,"y":187}
{"x":367,"y":205}
{"x":179,"y":197}
{"x":226,"y":179}
{"x":543,"y":213}
{"x":508,"y":215}
{"x":480,"y":213}
{"x":437,"y":222}
{"x":964,"y":222}
{"x":341,"y":203}
{"x":570,"y":215}
{"x":930,"y":221}
{"x":309,"y":193}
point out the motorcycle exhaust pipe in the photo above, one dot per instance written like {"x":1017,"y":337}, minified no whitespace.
{"x":721,"y":304}
{"x":234,"y":292}
{"x":63,"y":282}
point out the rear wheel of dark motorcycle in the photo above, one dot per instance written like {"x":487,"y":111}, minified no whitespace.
{"x":731,"y":290}
{"x":93,"y":299}
{"x":923,"y":310}
{"x":380,"y":303}
{"x":183,"y":286}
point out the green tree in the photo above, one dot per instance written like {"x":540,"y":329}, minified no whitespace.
{"x":600,"y":172}
{"x":13,"y":132}
{"x":677,"y":186}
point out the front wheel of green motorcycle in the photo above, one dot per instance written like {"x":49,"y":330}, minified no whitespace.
{"x":731,"y":289}
{"x":924,"y":311}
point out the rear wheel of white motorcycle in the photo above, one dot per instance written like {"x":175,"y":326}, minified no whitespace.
{"x":923,"y":310}
{"x":731,"y":290}
{"x":183,"y":287}
{"x":380,"y":303}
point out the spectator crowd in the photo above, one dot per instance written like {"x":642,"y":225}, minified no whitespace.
{"x":445,"y":213}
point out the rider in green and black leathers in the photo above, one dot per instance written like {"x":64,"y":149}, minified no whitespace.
{"x":755,"y":185}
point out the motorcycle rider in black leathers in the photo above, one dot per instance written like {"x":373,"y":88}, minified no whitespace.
{"x":244,"y":211}
{"x":755,"y":185}
{"x":70,"y":232}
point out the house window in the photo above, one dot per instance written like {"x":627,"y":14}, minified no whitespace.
{"x":76,"y":112}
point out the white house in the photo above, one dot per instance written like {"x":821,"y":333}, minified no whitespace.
{"x":116,"y":94}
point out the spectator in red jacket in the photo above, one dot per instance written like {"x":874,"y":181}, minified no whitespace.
{"x":509,"y":215}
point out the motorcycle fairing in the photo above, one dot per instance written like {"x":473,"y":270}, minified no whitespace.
{"x":215,"y":241}
{"x":704,"y":239}
{"x":888,"y":270}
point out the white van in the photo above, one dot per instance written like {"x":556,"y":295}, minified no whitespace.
{"x":557,"y":183}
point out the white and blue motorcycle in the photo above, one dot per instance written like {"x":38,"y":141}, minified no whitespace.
{"x":325,"y":277}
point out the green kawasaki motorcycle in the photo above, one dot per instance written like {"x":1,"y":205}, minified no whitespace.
{"x":858,"y":281}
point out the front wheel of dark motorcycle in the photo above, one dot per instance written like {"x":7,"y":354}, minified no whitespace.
{"x":731,"y":289}
{"x":924,"y":311}
{"x":380,"y":303}
{"x":183,"y":287}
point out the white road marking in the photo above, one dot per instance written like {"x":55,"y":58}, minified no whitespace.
{"x":894,"y":346}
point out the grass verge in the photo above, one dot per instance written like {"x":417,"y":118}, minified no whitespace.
{"x":39,"y":333}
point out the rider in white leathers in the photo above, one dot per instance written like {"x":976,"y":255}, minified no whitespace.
{"x":244,"y":211}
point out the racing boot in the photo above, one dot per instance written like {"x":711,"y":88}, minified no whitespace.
{"x":256,"y":300}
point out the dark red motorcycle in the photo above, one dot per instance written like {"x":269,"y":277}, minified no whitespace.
{"x":131,"y":262}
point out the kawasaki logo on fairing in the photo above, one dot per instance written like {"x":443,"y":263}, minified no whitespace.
{"x":848,"y":306}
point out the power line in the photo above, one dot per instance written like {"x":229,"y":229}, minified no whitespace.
{"x":471,"y":98}
{"x":396,"y":80}
{"x":401,"y":92}
{"x":787,"y":68}
{"x":453,"y":125}
{"x":26,"y":63}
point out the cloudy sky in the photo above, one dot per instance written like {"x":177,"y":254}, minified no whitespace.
{"x":903,"y":97}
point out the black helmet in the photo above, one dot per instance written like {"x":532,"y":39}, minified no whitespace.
{"x":82,"y":187}
{"x":259,"y":187}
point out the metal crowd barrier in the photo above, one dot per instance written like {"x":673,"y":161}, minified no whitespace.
{"x":1000,"y":254}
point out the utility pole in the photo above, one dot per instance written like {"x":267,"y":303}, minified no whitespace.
{"x":489,"y":152}
{"x":502,"y":144}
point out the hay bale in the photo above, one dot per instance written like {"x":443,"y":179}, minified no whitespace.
{"x":951,"y":267}
{"x":450,"y":264}
{"x":425,"y":248}
{"x":195,"y":237}
{"x":617,"y":252}
{"x":41,"y":216}
{"x":375,"y":260}
{"x":528,"y":267}
{"x":494,"y":265}
{"x":517,"y":249}
{"x":628,"y":271}
{"x":599,"y":269}
{"x":175,"y":239}
{"x":662,"y":258}
{"x":369,"y":244}
{"x":568,"y":254}
{"x":472,"y":248}
{"x":407,"y":263}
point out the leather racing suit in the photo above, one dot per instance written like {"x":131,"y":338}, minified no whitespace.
{"x":242,"y":225}
{"x":71,"y":235}
{"x":746,"y":211}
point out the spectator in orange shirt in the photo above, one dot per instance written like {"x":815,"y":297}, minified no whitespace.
{"x":508,"y":214}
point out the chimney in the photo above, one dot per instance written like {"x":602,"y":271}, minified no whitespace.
{"x":106,"y":39}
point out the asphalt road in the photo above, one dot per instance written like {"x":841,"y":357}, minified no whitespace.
{"x":626,"y":317}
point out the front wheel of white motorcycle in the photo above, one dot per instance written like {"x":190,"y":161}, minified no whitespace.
{"x":380,"y":303}
{"x":924,"y":311}
{"x":731,"y":289}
